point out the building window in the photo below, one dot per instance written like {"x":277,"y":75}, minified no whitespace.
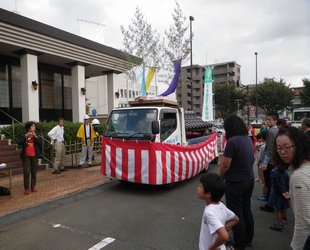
{"x":67,"y":92}
{"x":129,"y":91}
{"x":16,"y":87}
{"x":125,"y":93}
{"x":122,"y":94}
{"x":51,"y":90}
{"x":4,"y":86}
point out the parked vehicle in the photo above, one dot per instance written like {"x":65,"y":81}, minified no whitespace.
{"x":299,"y":114}
{"x":146,"y":143}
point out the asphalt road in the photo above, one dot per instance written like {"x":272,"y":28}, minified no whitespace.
{"x":120,"y":216}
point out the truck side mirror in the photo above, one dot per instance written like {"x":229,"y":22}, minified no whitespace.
{"x":155,"y":127}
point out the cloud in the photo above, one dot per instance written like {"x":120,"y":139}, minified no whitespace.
{"x":224,"y":30}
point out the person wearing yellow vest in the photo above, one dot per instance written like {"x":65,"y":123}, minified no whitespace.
{"x":87,"y":134}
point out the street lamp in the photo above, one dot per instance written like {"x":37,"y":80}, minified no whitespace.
{"x":256,"y":85}
{"x":191,"y":18}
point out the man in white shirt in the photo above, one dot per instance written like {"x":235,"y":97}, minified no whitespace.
{"x":57,"y":137}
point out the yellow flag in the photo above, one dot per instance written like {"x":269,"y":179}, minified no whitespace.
{"x":149,"y":77}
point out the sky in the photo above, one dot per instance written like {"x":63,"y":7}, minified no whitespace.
{"x":224,"y":30}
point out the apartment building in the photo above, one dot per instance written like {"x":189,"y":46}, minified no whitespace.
{"x":190,"y":93}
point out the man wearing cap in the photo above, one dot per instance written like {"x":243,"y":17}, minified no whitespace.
{"x":305,"y":125}
{"x":87,"y":134}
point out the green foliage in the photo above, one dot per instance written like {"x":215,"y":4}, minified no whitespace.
{"x":178,"y":42}
{"x":305,"y":95}
{"x":226,"y":98}
{"x":141,"y":40}
{"x":42,"y":128}
{"x":272,"y":96}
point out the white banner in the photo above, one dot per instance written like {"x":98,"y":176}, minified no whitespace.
{"x":207,"y":107}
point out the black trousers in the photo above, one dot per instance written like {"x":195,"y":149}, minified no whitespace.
{"x":30,"y":166}
{"x":267,"y":173}
{"x":238,"y":199}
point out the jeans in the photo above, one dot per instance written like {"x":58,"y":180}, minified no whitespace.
{"x":238,"y":199}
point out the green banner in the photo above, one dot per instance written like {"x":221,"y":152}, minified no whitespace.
{"x":208,"y":74}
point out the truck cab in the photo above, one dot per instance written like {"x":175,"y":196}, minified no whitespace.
{"x":299,"y":114}
{"x":157,"y":120}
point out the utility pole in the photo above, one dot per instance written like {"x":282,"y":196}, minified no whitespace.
{"x":256,"y":86}
{"x":191,"y":18}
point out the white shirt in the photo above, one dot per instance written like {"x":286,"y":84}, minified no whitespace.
{"x":299,"y":194}
{"x":87,"y":128}
{"x":57,"y":133}
{"x":214,"y":217}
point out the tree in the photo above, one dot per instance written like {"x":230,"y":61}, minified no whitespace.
{"x":305,"y":95}
{"x":142,"y":40}
{"x":227,"y":97}
{"x":272,"y":96}
{"x":178,"y":46}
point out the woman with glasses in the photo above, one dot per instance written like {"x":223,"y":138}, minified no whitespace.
{"x":293,"y":149}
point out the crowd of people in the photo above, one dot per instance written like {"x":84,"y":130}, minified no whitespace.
{"x":31,"y":149}
{"x":278,"y":148}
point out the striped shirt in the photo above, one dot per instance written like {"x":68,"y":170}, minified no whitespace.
{"x":300,"y":193}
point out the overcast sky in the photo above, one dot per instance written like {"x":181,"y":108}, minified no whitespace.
{"x":224,"y":30}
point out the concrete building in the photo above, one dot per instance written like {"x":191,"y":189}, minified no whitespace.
{"x":43,"y":70}
{"x":125,"y":91}
{"x":190,"y":95}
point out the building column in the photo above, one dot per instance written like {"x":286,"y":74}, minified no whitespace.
{"x":30,"y":87}
{"x":78,"y":97}
{"x":110,"y":91}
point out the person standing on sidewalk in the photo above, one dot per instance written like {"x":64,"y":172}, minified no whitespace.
{"x":236,"y":167}
{"x":87,"y":134}
{"x":30,"y":153}
{"x":57,"y":137}
{"x":267,"y":158}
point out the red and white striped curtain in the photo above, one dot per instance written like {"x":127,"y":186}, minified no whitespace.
{"x":155,"y":163}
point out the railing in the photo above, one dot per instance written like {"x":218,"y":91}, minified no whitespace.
{"x":72,"y":148}
{"x":44,"y":140}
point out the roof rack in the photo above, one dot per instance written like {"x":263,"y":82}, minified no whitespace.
{"x":145,"y":101}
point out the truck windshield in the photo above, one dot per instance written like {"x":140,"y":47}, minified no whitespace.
{"x":130,"y":123}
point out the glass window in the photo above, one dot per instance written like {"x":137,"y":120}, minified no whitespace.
{"x":168,"y":125}
{"x":4,"y":86}
{"x":51,"y":90}
{"x":122,"y":93}
{"x":16,"y":87}
{"x":68,"y":92}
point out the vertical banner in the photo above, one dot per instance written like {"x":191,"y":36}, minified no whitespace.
{"x":143,"y":89}
{"x":207,"y":108}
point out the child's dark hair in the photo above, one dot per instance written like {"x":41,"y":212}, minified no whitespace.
{"x":263,"y":135}
{"x":29,"y":124}
{"x":214,"y":184}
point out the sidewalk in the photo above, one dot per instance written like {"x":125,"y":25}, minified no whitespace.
{"x":50,"y":186}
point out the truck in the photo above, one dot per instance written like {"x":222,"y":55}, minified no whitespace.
{"x":146,"y":143}
{"x":299,"y":114}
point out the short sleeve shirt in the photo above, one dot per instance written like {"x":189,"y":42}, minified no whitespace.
{"x":214,"y":217}
{"x":240,"y":150}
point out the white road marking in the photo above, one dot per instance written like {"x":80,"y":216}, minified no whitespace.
{"x":102,"y":244}
{"x":57,"y":225}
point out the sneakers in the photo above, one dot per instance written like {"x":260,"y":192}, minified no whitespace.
{"x":56,"y":172}
{"x":26,"y":191}
{"x":34,"y":190}
{"x":261,"y":198}
{"x":63,"y":170}
{"x":276,"y":227}
{"x":267,"y":208}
